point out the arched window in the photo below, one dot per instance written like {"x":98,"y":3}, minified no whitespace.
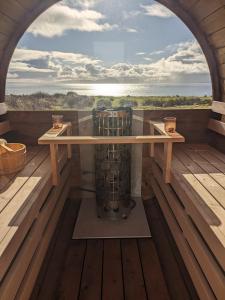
{"x":122,"y":53}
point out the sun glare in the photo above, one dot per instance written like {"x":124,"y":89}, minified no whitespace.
{"x":108,"y":89}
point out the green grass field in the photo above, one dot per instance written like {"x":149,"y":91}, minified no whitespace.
{"x":72,"y":101}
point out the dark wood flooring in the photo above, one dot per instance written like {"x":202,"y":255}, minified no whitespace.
{"x":131,"y":269}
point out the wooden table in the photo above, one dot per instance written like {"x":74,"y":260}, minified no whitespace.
{"x":54,"y":137}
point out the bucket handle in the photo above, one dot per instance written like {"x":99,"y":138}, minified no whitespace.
{"x":6,"y":148}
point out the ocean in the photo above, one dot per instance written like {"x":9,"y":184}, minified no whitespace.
{"x":117,"y":89}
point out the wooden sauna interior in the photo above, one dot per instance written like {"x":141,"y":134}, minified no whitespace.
{"x":184,"y":259}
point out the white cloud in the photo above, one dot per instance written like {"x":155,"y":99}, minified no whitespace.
{"x":12,"y":75}
{"x":131,"y":14}
{"x":157,"y":10}
{"x":50,"y":62}
{"x":148,"y":58}
{"x":60,"y":18}
{"x":131,"y":30}
{"x":27,"y":54}
{"x":81,"y":3}
{"x":26,"y":67}
{"x":185,"y":63}
{"x":188,"y":59}
{"x":140,"y":53}
{"x":157,"y":52}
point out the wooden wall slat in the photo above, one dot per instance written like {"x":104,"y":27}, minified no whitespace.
{"x":217,"y":39}
{"x":214,"y":22}
{"x":6,"y":24}
{"x":218,"y":107}
{"x":217,"y":126}
{"x":222,"y":70}
{"x":188,"y":4}
{"x":27,"y":3}
{"x":4,"y":127}
{"x":203,"y":9}
{"x":13,"y":9}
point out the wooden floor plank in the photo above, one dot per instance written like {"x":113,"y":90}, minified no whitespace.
{"x":69,"y":285}
{"x":111,"y":269}
{"x":112,"y":287}
{"x":185,"y":275}
{"x":91,"y":283}
{"x":155,"y":283}
{"x":134,"y":285}
{"x":55,"y":267}
{"x":49,"y":254}
{"x":168,"y":262}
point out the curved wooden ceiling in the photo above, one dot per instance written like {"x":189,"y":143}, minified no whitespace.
{"x":205,"y":18}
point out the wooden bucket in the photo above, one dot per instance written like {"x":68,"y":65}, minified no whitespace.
{"x":12,"y":162}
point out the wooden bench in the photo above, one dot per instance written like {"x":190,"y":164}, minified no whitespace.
{"x":29,"y":210}
{"x":216,"y":125}
{"x":194,"y":207}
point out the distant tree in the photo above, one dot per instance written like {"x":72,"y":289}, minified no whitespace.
{"x":70,"y":102}
{"x":40,"y":95}
{"x":124,"y":102}
{"x":72,"y":94}
{"x":103,"y":103}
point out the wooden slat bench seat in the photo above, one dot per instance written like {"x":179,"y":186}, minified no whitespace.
{"x":29,"y":210}
{"x":194,"y":206}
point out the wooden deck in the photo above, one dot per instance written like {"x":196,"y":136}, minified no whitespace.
{"x":113,"y":269}
{"x":194,"y":207}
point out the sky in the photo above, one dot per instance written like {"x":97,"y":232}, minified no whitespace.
{"x":107,"y":41}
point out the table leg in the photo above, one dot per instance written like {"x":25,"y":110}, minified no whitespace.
{"x":152,"y":146}
{"x":168,"y":151}
{"x":69,"y":147}
{"x":54,"y":164}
